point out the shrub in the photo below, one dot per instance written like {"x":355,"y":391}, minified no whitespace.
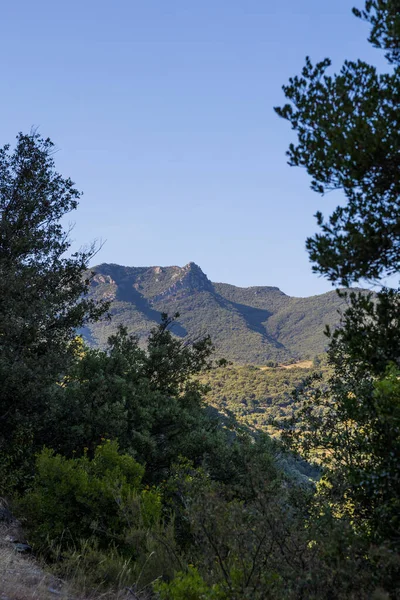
{"x":102,"y":498}
{"x":189,"y":586}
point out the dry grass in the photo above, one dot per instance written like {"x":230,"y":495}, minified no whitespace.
{"x":301,"y":364}
{"x":22,"y":577}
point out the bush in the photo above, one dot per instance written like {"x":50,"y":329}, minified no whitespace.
{"x":189,"y":586}
{"x":75,"y":499}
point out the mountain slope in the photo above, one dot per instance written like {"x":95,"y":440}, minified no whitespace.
{"x":247,"y":325}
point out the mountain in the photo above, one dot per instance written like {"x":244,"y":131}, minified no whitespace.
{"x":247,"y":325}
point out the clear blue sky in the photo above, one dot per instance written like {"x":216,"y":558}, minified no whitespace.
{"x":162,"y":111}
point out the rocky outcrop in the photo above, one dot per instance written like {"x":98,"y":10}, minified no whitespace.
{"x":188,"y":279}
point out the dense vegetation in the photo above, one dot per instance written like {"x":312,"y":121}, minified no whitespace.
{"x":120,"y":471}
{"x":259,"y":397}
{"x":247,"y":325}
{"x":347,"y":128}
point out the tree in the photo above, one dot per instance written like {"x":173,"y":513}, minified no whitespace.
{"x":384,"y":16}
{"x":42,"y":291}
{"x":348,"y":138}
{"x":149,"y":399}
{"x":351,"y":426}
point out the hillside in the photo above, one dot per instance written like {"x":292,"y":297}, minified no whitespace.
{"x":247,"y":325}
{"x":257,"y":396}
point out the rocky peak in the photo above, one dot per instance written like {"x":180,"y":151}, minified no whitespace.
{"x":194,"y":277}
{"x":155,"y":282}
{"x":184,"y":280}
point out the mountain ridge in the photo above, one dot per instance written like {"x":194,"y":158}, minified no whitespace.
{"x":251,"y":325}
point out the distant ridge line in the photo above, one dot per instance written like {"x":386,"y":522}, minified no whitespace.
{"x":248,"y":325}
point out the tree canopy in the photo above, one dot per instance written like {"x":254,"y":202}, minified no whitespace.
{"x":42,"y":289}
{"x":348,"y":138}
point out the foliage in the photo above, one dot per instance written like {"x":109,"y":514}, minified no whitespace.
{"x":147,"y":398}
{"x":189,"y":586}
{"x":384,"y":16}
{"x":79,"y":498}
{"x":97,"y":522}
{"x":356,"y":437}
{"x":369,"y":332}
{"x":255,"y":396}
{"x":42,"y":293}
{"x":263,"y":538}
{"x":348,"y":139}
{"x":171,"y":362}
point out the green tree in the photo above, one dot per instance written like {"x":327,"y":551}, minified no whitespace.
{"x":348,"y":138}
{"x":384,"y":16}
{"x":147,"y":398}
{"x":42,"y":291}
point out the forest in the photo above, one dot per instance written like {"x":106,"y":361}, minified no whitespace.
{"x":150,"y":472}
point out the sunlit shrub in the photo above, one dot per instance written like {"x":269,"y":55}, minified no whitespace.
{"x":189,"y":586}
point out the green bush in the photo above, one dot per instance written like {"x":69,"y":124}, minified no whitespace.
{"x":77,"y":499}
{"x":189,"y":586}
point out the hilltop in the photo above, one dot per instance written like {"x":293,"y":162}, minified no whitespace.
{"x":251,"y":325}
